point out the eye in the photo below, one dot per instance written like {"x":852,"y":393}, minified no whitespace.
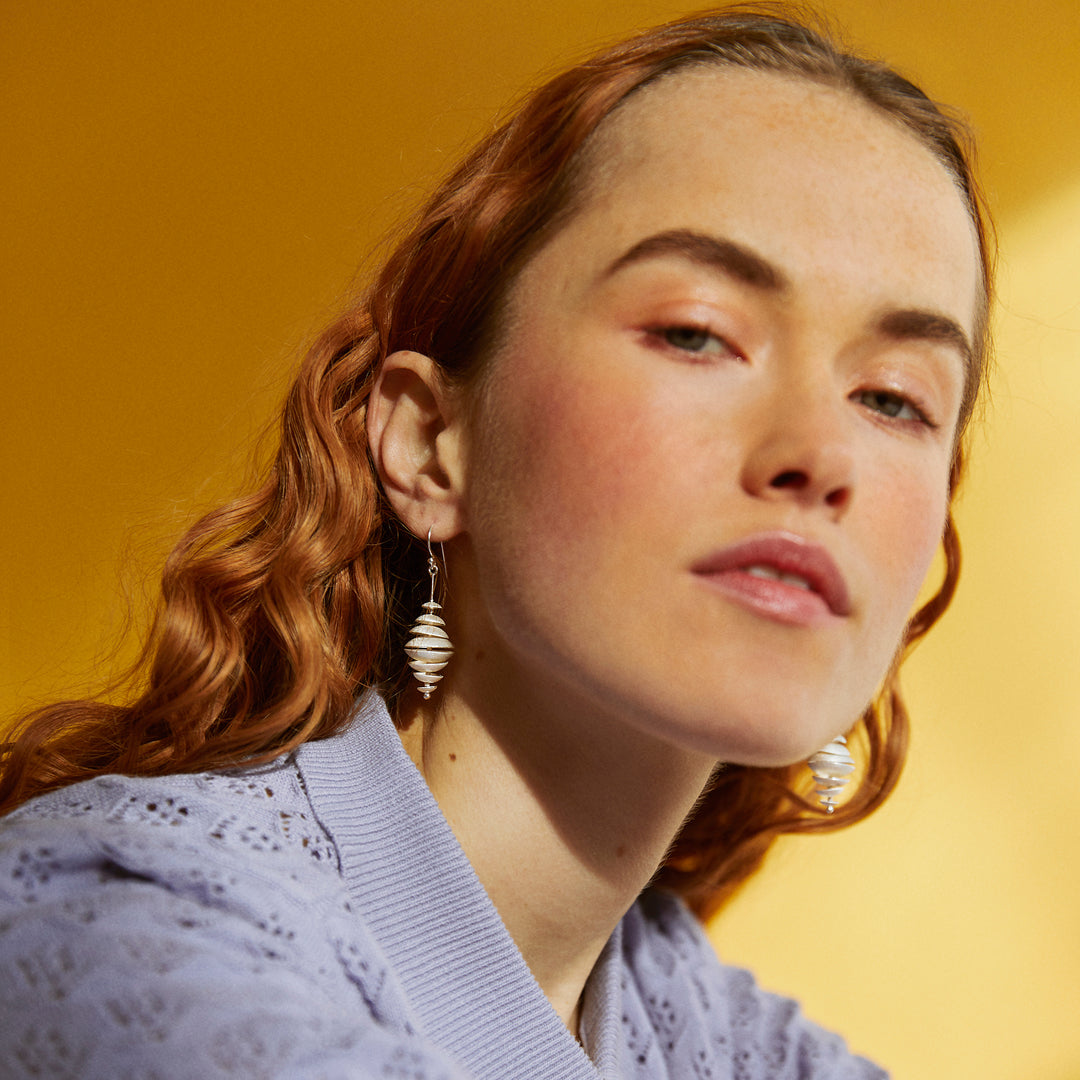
{"x":694,"y":339}
{"x":895,"y":406}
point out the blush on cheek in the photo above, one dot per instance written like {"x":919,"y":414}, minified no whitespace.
{"x":577,"y":443}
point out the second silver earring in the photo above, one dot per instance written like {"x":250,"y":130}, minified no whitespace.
{"x":832,"y":767}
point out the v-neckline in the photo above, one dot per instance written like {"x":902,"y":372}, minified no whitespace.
{"x":418,"y":895}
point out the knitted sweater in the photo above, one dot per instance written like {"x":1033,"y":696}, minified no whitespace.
{"x":316,"y":918}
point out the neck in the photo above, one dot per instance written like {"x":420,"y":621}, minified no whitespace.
{"x":564,"y":817}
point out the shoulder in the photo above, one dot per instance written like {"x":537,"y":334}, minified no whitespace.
{"x":146,"y":863}
{"x":187,"y":926}
{"x":182,"y":831}
{"x":692,"y":1008}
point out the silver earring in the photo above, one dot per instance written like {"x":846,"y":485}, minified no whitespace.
{"x":832,"y":767}
{"x":429,"y":649}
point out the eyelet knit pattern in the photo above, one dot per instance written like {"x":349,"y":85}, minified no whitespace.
{"x":316,"y":918}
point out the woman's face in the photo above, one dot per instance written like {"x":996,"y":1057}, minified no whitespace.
{"x":709,"y":465}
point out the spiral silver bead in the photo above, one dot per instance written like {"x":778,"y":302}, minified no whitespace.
{"x":832,"y":767}
{"x":429,"y":649}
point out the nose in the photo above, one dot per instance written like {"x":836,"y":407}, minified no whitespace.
{"x":803,"y":453}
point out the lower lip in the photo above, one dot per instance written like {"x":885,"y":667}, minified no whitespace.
{"x":772,"y":599}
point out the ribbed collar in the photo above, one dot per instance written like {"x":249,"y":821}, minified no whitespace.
{"x":417,"y":893}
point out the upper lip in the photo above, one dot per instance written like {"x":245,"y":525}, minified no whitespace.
{"x":789,"y":553}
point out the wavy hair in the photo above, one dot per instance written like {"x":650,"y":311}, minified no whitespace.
{"x":280,"y":608}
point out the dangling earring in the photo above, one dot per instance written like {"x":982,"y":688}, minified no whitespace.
{"x":832,"y":767}
{"x":429,"y":648}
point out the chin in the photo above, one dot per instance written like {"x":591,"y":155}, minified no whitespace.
{"x":759,"y":737}
{"x":746,"y":706}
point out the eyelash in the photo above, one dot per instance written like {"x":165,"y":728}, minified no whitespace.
{"x":668,"y":335}
{"x":880,"y":400}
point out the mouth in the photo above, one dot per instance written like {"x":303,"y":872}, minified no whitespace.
{"x":771,"y":573}
{"x":779,"y":575}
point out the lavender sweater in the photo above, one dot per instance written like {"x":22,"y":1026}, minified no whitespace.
{"x":316,"y":918}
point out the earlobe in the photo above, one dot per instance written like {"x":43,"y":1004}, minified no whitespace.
{"x":413,"y":433}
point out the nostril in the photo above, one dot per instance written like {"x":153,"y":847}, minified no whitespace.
{"x":793,"y":478}
{"x":837,"y":497}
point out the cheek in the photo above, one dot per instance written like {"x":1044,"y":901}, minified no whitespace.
{"x":910,"y":531}
{"x":571,"y":451}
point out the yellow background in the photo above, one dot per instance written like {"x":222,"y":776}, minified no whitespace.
{"x":187,"y":189}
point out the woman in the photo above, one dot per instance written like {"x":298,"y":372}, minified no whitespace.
{"x":662,"y":401}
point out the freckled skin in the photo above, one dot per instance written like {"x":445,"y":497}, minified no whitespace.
{"x":600,"y":470}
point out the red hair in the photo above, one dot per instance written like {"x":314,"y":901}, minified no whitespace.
{"x":278,"y":609}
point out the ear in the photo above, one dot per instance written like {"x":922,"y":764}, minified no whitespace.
{"x":415,"y":433}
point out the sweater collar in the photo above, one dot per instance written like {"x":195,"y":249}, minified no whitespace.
{"x":416,"y":891}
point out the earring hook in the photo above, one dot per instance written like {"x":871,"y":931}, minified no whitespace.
{"x":433,"y":565}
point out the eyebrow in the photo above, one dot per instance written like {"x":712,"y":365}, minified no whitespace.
{"x":927,"y":326}
{"x":747,"y":266}
{"x":729,"y":258}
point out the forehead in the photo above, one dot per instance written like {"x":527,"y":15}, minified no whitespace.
{"x":732,"y":114}
{"x":807,"y":174}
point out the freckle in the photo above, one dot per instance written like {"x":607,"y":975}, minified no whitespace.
{"x":453,"y":757}
{"x":620,"y":851}
{"x":479,"y":654}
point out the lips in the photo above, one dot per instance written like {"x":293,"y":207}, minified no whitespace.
{"x":780,"y":575}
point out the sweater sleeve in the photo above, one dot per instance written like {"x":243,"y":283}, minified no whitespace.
{"x":128,"y":950}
